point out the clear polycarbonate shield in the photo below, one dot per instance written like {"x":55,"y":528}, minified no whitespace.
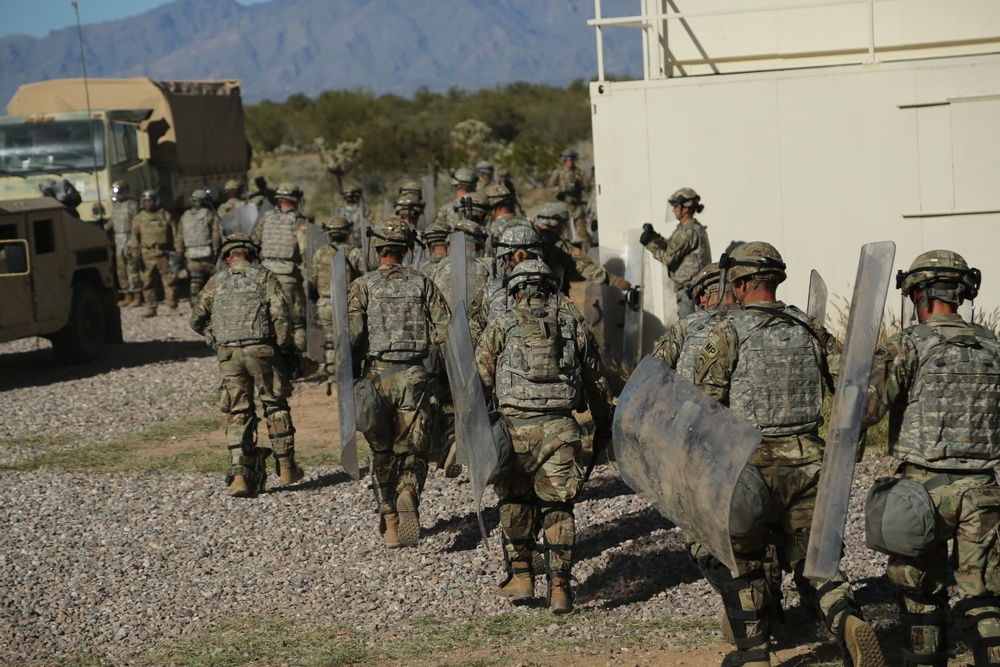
{"x":427,"y":193}
{"x":473,"y":433}
{"x":635,"y":257}
{"x":345,"y":374}
{"x":844,"y":429}
{"x":241,"y":220}
{"x":367,"y":250}
{"x":816,"y":307}
{"x":315,"y":336}
{"x":459,"y":268}
{"x":604,"y":306}
{"x":683,"y":452}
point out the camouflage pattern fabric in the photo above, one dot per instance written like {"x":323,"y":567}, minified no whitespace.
{"x":684,"y":254}
{"x":571,"y":188}
{"x":285,"y":234}
{"x":684,"y":339}
{"x":127,"y":255}
{"x":228,"y":206}
{"x":569,"y":263}
{"x":199,"y":253}
{"x":154,"y":233}
{"x":319,"y":280}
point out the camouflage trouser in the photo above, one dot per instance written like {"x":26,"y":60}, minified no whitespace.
{"x":580,"y":224}
{"x":324,"y":313}
{"x":793,"y":496}
{"x":401,"y":445}
{"x":156,"y":268}
{"x":200,"y":271}
{"x":541,"y":493}
{"x":127,"y":267}
{"x":968,"y":513}
{"x":685,"y":306}
{"x":294,"y":291}
{"x":442,"y":407}
{"x":248,"y":371}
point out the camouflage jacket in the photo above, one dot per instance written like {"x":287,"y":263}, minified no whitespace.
{"x":719,"y":361}
{"x":228,"y":206}
{"x":155,"y":233}
{"x":277,"y":307}
{"x":322,"y":259}
{"x":569,"y":264}
{"x":680,"y":346}
{"x":571,"y":185}
{"x":206,"y":224}
{"x":289,"y":252}
{"x":684,"y":253}
{"x":492,"y":300}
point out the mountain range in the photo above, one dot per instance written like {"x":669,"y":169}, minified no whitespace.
{"x":282,"y":47}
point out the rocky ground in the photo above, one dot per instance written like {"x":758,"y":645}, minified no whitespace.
{"x":123,"y":565}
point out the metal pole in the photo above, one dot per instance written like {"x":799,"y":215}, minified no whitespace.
{"x":600,"y":42}
{"x":871,"y":31}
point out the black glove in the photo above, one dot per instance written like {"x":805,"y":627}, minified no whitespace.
{"x":293,"y":361}
{"x":647,"y":234}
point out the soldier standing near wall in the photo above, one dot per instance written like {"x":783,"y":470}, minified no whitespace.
{"x":571,"y":188}
{"x":243,"y":314}
{"x":395,"y":315}
{"x":199,"y":239}
{"x":565,"y":260}
{"x":154,"y":233}
{"x":281,"y":235}
{"x":123,"y":210}
{"x":235,"y":194}
{"x":940,"y":383}
{"x":770,"y":362}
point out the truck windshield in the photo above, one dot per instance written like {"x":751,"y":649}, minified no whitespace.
{"x":51,"y":147}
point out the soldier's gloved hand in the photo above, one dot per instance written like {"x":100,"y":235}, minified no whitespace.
{"x":620,"y":283}
{"x":648,"y":234}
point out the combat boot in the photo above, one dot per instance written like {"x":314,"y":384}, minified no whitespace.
{"x":452,"y":468}
{"x":560,"y":594}
{"x":136,"y":299}
{"x":125,"y":301}
{"x":239,"y":488}
{"x":520,"y":584}
{"x":390,"y":530}
{"x":150,"y":310}
{"x":288,"y":471}
{"x":172,"y":309}
{"x":409,"y":518}
{"x":862,"y":643}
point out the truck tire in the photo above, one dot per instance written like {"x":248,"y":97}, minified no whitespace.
{"x":82,"y":339}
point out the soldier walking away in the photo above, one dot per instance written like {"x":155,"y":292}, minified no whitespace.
{"x":281,"y":235}
{"x":571,"y":188}
{"x":484,"y":174}
{"x":243,"y":315}
{"x":542,"y":364}
{"x":395,"y":314}
{"x":463,"y":182}
{"x":504,"y":179}
{"x":409,"y":208}
{"x":770,"y":362}
{"x":235,"y":195}
{"x":154,"y":233}
{"x":940,"y":383}
{"x":567,"y":261}
{"x":686,"y":251}
{"x":199,"y":238}
{"x":123,"y":209}
{"x":354,"y":210}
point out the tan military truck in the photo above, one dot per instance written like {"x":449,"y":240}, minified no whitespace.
{"x":170,"y":136}
{"x":56,"y":280}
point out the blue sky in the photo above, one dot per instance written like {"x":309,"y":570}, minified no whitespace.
{"x":37,"y":17}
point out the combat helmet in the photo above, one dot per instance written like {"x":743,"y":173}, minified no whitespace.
{"x":498,"y":195}
{"x":337,"y":227}
{"x":569,"y":154}
{"x":119,"y":190}
{"x":150,"y":195}
{"x":476,"y":206}
{"x":238,"y":240}
{"x":233,"y":186}
{"x":199,"y":197}
{"x":485,"y":167}
{"x":532,"y":272}
{"x":552,"y":214}
{"x":941,"y":274}
{"x":707,"y":280}
{"x":391,"y":233}
{"x":351,"y":192}
{"x":472,"y":230}
{"x":465,"y":178}
{"x":412,"y":187}
{"x":516,"y":237}
{"x":289,"y":192}
{"x":409,"y":203}
{"x":756,"y":259}
{"x":436,"y":234}
{"x":685,"y":198}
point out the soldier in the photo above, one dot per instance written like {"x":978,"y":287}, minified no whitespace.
{"x":501,"y":210}
{"x":395,"y":315}
{"x":281,"y":235}
{"x":199,"y":239}
{"x":475,"y":206}
{"x":480,"y":269}
{"x":572,"y":187}
{"x":234,"y":192}
{"x":262,"y":194}
{"x":243,"y":314}
{"x":412,"y":187}
{"x":123,"y":209}
{"x":568,"y":262}
{"x":337,"y":231}
{"x":409,"y":208}
{"x":484,"y":174}
{"x":940,"y":383}
{"x":463,"y":182}
{"x":154,"y":233}
{"x":540,"y":362}
{"x":504,"y":179}
{"x":770,"y":362}
{"x":686,"y":251}
{"x":354,"y":210}
{"x":435,"y":239}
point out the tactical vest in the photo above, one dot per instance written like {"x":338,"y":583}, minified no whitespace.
{"x":397,"y":315}
{"x":539,"y":369}
{"x":228,"y":206}
{"x":154,"y":230}
{"x":279,"y":244}
{"x":952,"y":412}
{"x":478,"y":278}
{"x":239,"y":314}
{"x":778,"y":383}
{"x":697,"y":327}
{"x":122,"y":213}
{"x":197,"y":230}
{"x":355,"y":215}
{"x":695,"y":260}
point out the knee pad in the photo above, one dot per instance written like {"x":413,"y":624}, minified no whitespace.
{"x":279,"y":421}
{"x":931,"y":653}
{"x":978,"y":611}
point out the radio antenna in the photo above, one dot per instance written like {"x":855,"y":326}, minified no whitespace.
{"x":90,"y":114}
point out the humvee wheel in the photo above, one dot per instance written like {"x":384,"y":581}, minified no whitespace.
{"x":82,"y":339}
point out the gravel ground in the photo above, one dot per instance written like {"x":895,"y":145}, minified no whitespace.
{"x":119,"y":564}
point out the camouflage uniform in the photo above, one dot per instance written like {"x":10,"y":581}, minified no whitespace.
{"x":546,"y":437}
{"x":571,"y":188}
{"x":282,"y":240}
{"x":199,"y":237}
{"x":319,"y":281}
{"x":947,"y":439}
{"x":568,"y":263}
{"x":127,"y":264}
{"x":243,"y":313}
{"x":684,"y":254}
{"x":154,"y":233}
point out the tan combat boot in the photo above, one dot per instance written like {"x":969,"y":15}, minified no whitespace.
{"x":150,"y":311}
{"x":452,"y":468}
{"x":409,"y":518}
{"x":390,"y":532}
{"x":125,"y":301}
{"x":520,"y":585}
{"x":239,"y":488}
{"x":288,"y":471}
{"x":136,"y":299}
{"x":172,"y":309}
{"x":862,"y":643}
{"x":560,"y":595}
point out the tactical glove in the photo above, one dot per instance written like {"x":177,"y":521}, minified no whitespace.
{"x":648,"y":234}
{"x":620,"y":283}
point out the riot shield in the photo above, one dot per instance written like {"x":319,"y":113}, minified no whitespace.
{"x":345,"y":372}
{"x":240,"y":220}
{"x":427,"y":193}
{"x":473,"y":434}
{"x":367,"y":251}
{"x":816,"y":307}
{"x":683,"y":452}
{"x":459,"y":268}
{"x":635,"y":256}
{"x":867,"y":308}
{"x":604,"y":308}
{"x":315,"y":336}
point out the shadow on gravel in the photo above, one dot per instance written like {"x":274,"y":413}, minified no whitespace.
{"x":465,"y":527}
{"x":649,"y":569}
{"x":339,"y":477}
{"x":39,"y":367}
{"x":604,"y":490}
{"x":592,"y":540}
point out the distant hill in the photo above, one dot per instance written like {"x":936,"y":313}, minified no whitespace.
{"x":287,"y":46}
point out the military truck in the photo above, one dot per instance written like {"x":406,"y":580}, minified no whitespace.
{"x":171,"y":136}
{"x":56,"y":279}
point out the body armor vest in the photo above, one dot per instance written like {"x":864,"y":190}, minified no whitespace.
{"x":778,"y":383}
{"x":228,"y":206}
{"x":697,"y":327}
{"x":951,"y":418}
{"x":122,"y":213}
{"x":197,"y":230}
{"x":239,"y":314}
{"x":397,"y":315}
{"x":696,"y":260}
{"x":355,"y":214}
{"x":154,"y":229}
{"x":478,"y":278}
{"x":279,"y":245}
{"x":539,"y":369}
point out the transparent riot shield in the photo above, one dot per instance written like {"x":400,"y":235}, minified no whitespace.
{"x":683,"y":452}
{"x":604,"y":306}
{"x":635,"y":257}
{"x":427,"y":193}
{"x":315,"y":336}
{"x":867,"y":308}
{"x":473,"y":433}
{"x":241,"y":220}
{"x":367,"y":250}
{"x":345,"y":372}
{"x":816,"y":307}
{"x":459,"y":268}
